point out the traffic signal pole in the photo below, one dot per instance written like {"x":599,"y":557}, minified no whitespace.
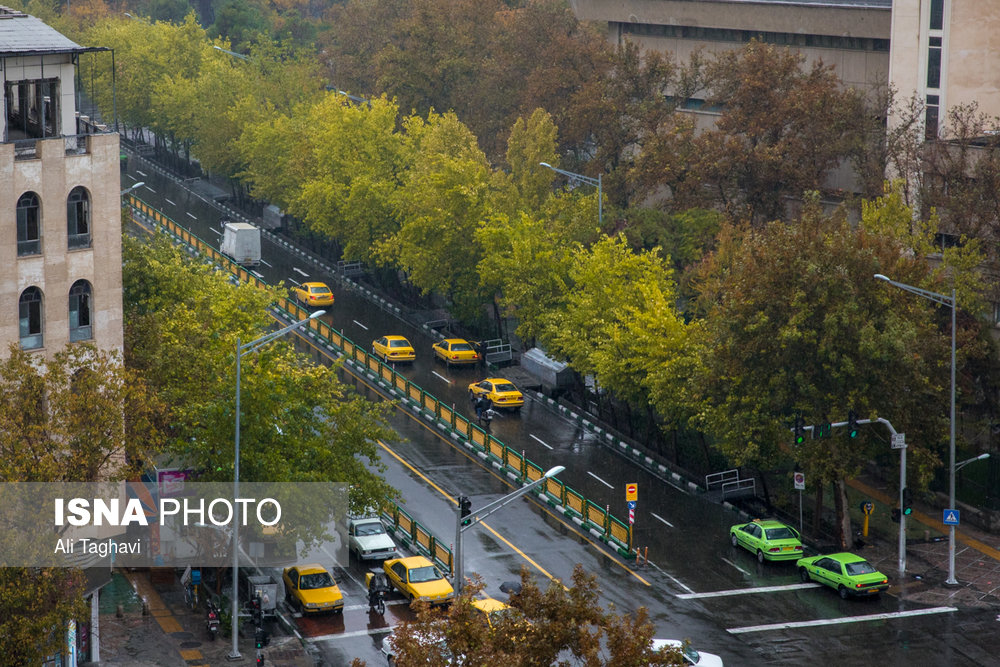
{"x":799,"y":429}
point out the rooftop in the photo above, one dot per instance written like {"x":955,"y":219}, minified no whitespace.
{"x":24,"y":35}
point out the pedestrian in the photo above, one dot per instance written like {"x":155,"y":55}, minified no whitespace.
{"x":480,"y":405}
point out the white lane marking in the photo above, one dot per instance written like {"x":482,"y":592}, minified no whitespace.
{"x":300,"y":271}
{"x":151,"y":189}
{"x":657,"y":516}
{"x":356,"y":633}
{"x":835,"y":621}
{"x":748,"y":591}
{"x":360,"y":325}
{"x":265,"y":263}
{"x":169,"y":202}
{"x":726,"y":560}
{"x":540,"y":440}
{"x":191,"y":215}
{"x":257,"y":274}
{"x":140,"y":173}
{"x":294,"y":281}
{"x":600,"y":480}
{"x":678,"y":581}
{"x":388,"y":603}
{"x":215,"y":231}
{"x":441,"y":376}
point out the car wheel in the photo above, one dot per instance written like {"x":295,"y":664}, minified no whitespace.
{"x":733,"y":540}
{"x":804,"y":575}
{"x":843,"y":593}
{"x":760,"y":556}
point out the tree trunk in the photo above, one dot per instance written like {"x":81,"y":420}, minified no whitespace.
{"x":843,"y":516}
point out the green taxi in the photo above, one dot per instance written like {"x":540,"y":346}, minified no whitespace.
{"x":848,"y":573}
{"x":769,"y":539}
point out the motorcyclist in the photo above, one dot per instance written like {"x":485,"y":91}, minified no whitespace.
{"x":376,"y":590}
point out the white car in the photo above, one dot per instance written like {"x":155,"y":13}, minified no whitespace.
{"x":368,"y":540}
{"x":691,"y":656}
{"x":436,"y":636}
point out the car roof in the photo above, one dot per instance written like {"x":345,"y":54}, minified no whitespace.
{"x":770,"y":523}
{"x":496,"y":380}
{"x":310,"y":568}
{"x":315,"y":284}
{"x":845,"y":557}
{"x":453,"y":340}
{"x":488,"y":605}
{"x":413,"y":561}
{"x":394,"y":337}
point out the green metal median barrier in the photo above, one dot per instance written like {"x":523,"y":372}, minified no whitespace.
{"x":594,"y":518}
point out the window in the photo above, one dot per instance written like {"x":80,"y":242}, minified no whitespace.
{"x":29,"y":234}
{"x":80,"y":312}
{"x":30,"y":318}
{"x":931,"y":115}
{"x":937,"y":14}
{"x":78,"y":218}
{"x":934,"y":63}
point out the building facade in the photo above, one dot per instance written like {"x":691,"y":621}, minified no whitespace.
{"x":60,"y":204}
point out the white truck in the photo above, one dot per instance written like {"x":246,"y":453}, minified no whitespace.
{"x":241,"y":241}
{"x":368,"y":540}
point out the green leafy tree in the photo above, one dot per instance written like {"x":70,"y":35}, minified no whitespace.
{"x":443,"y":199}
{"x":795,"y":325}
{"x":298,"y":421}
{"x":35,"y":606}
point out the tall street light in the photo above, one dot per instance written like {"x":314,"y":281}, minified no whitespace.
{"x":949,"y":301}
{"x":132,"y":187}
{"x":575,"y":178}
{"x":232,"y":53}
{"x":241,"y":350}
{"x":463,"y":523}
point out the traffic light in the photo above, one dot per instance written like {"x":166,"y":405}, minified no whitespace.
{"x":822,"y":430}
{"x":907,"y":502}
{"x":256,"y":611}
{"x":895,"y":515}
{"x":852,"y":424}
{"x":261,"y":638}
{"x":466,"y":506}
{"x":800,"y":433}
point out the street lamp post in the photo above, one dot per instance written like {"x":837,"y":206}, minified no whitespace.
{"x":132,"y":187}
{"x":232,"y":53}
{"x":241,"y":350}
{"x":475,"y":517}
{"x":574,"y":177}
{"x":949,"y":301}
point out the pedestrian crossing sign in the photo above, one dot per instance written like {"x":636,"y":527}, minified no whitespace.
{"x":951,"y":517}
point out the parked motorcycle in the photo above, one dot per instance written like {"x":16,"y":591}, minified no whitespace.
{"x":212,"y":621}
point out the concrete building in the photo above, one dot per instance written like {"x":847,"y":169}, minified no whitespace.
{"x":940,"y":50}
{"x":60,"y":204}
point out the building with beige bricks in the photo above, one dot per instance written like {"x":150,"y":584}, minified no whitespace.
{"x":60,"y":203}
{"x":941,"y":51}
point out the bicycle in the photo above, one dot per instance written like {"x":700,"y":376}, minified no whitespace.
{"x":191,"y":590}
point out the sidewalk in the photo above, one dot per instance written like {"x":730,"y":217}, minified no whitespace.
{"x":977,"y":553}
{"x":171,"y":635}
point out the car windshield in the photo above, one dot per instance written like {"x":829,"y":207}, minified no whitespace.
{"x":419,"y":575}
{"x":319,"y":289}
{"x":309,"y":582}
{"x":691,"y":655}
{"x":399,"y":343}
{"x":861,"y":567}
{"x":370,"y":529}
{"x":505,"y":386}
{"x":460,"y":347}
{"x":783,"y":533}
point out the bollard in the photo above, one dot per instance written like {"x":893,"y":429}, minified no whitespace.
{"x":145,"y":607}
{"x":119,"y":611}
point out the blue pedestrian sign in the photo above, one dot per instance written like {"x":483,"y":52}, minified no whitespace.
{"x":631,"y":504}
{"x":951,"y":517}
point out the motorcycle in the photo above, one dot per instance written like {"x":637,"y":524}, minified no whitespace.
{"x":376,"y":601}
{"x":212,"y":621}
{"x":486,"y":417}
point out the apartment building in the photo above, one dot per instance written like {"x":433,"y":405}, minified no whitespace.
{"x":60,"y":204}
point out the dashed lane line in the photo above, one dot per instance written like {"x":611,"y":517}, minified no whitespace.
{"x":441,"y":376}
{"x":360,"y":325}
{"x":726,"y":560}
{"x":191,"y":215}
{"x":835,"y":621}
{"x":600,"y":480}
{"x":300,"y":271}
{"x":539,"y":440}
{"x":657,"y":516}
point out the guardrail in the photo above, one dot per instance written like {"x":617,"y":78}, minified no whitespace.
{"x":595,"y":518}
{"x":721,"y":478}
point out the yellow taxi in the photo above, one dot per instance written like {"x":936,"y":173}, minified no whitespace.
{"x":502,"y":392}
{"x":417,"y":578}
{"x":311,"y":589}
{"x":393,"y":348}
{"x":455,"y":351}
{"x":313,"y":294}
{"x":491,"y":609}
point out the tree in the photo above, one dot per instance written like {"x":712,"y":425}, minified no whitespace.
{"x":780,"y":131}
{"x":795,"y":325}
{"x":35,"y":606}
{"x":183,"y":320}
{"x":543,"y":628}
{"x":443,"y":199}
